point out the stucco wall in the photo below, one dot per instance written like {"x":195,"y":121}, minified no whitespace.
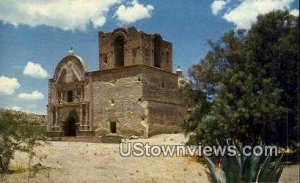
{"x":135,"y":98}
{"x":117,"y":98}
{"x":165,"y":117}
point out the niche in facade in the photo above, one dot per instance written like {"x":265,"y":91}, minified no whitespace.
{"x":157,"y":51}
{"x":119,"y":51}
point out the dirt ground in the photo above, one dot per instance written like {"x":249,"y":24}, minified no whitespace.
{"x":70,"y":162}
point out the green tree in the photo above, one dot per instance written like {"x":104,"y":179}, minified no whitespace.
{"x":18,"y":134}
{"x":249,"y":80}
{"x":274,"y":45}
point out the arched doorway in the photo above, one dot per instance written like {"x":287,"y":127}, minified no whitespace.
{"x":70,"y":126}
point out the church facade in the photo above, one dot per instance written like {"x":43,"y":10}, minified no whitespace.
{"x":134,"y":92}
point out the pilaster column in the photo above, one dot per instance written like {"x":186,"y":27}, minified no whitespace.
{"x":56,"y":116}
{"x":50,"y":117}
{"x":86,"y":115}
{"x":61,"y":96}
{"x":80,"y":115}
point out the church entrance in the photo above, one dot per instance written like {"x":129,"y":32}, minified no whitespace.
{"x":70,"y":127}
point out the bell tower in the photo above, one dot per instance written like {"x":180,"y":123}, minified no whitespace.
{"x":127,"y":47}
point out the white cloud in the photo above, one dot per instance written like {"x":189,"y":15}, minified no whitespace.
{"x":218,"y":5}
{"x":63,"y":14}
{"x":28,"y":108}
{"x":35,"y":95}
{"x":8,"y":85}
{"x":246,"y":12}
{"x":295,"y":12}
{"x":35,"y":70}
{"x":16,"y":108}
{"x":134,"y":12}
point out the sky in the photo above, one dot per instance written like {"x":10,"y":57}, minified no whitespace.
{"x":36,"y":35}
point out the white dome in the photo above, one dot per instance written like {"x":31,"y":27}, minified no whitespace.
{"x":71,"y":52}
{"x":178,"y":69}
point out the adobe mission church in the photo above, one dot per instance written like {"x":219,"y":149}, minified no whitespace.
{"x":134,"y":92}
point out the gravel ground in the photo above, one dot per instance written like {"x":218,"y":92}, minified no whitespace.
{"x":68,"y":162}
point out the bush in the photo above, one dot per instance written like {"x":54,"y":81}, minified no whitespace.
{"x":18,"y":134}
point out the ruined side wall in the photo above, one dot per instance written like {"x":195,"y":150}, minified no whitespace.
{"x":167,"y":56}
{"x":147,"y":49}
{"x":148,"y":52}
{"x":160,"y":86}
{"x":165,"y":117}
{"x":166,"y":112}
{"x":116,"y":96}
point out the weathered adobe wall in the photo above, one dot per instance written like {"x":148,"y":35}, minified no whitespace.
{"x":116,"y":97}
{"x":166,"y":112}
{"x":131,"y":45}
{"x":52,"y":92}
{"x":52,"y":97}
{"x":165,"y":117}
{"x":160,"y":86}
{"x":167,"y":56}
{"x":148,"y":52}
{"x":142,"y":100}
{"x":166,"y":51}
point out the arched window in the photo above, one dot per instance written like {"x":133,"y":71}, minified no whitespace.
{"x":119,"y":51}
{"x":157,"y":51}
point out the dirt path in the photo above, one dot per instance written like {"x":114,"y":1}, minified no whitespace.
{"x":70,"y":162}
{"x":88,"y":162}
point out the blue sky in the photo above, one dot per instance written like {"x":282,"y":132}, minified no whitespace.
{"x":35,"y":36}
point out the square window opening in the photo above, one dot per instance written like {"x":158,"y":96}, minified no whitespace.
{"x":113,"y":127}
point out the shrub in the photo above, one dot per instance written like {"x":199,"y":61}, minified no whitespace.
{"x":18,"y":134}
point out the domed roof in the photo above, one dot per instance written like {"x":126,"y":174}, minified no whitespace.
{"x":178,"y":69}
{"x":71,"y":60}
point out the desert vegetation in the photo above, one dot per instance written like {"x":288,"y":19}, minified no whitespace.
{"x":19,"y":132}
{"x":246,"y":87}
